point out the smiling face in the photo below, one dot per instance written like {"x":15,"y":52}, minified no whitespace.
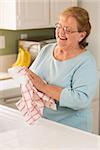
{"x":67,"y":34}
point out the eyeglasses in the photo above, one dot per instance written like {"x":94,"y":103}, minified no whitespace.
{"x":66,"y":30}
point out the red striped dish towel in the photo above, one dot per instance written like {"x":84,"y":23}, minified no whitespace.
{"x":32,"y":102}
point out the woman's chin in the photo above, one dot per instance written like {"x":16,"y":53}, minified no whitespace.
{"x":61,"y":42}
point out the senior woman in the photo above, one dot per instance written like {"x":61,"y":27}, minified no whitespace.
{"x":69,"y":70}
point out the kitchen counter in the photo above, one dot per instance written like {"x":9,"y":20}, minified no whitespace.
{"x":45,"y":135}
{"x":9,"y":88}
{"x":9,"y":92}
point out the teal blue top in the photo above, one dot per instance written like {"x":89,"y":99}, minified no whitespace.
{"x":78,"y":78}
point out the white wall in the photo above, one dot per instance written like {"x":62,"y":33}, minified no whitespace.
{"x":93,"y":7}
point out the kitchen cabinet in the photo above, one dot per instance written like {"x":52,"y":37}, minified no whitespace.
{"x":56,"y":6}
{"x":31,"y":14}
{"x":24,"y":14}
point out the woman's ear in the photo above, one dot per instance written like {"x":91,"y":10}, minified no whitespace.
{"x":82,"y":36}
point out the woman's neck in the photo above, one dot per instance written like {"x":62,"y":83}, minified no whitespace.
{"x":64,"y":54}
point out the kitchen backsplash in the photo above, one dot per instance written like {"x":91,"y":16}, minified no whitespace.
{"x":12,"y":37}
{"x":6,"y":62}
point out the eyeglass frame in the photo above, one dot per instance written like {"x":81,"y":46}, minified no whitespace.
{"x":65,"y":29}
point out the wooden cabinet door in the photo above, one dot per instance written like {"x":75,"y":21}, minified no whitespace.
{"x":32,"y":14}
{"x":8,"y":14}
{"x":24,"y":14}
{"x":56,"y":6}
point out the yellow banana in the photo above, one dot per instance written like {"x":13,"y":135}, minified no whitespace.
{"x":25,"y":58}
{"x":28,"y":58}
{"x":18,"y":58}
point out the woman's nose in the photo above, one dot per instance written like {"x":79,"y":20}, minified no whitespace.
{"x":62,"y":32}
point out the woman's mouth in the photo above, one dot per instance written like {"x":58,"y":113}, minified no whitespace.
{"x":62,"y":38}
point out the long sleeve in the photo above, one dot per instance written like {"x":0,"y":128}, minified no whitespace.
{"x":82,"y":88}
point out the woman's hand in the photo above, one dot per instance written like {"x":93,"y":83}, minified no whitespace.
{"x":52,"y":91}
{"x":36,"y":80}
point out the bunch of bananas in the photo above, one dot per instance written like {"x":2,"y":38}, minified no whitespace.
{"x":23,"y":58}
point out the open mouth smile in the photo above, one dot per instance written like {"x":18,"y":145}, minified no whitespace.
{"x":62,"y":38}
